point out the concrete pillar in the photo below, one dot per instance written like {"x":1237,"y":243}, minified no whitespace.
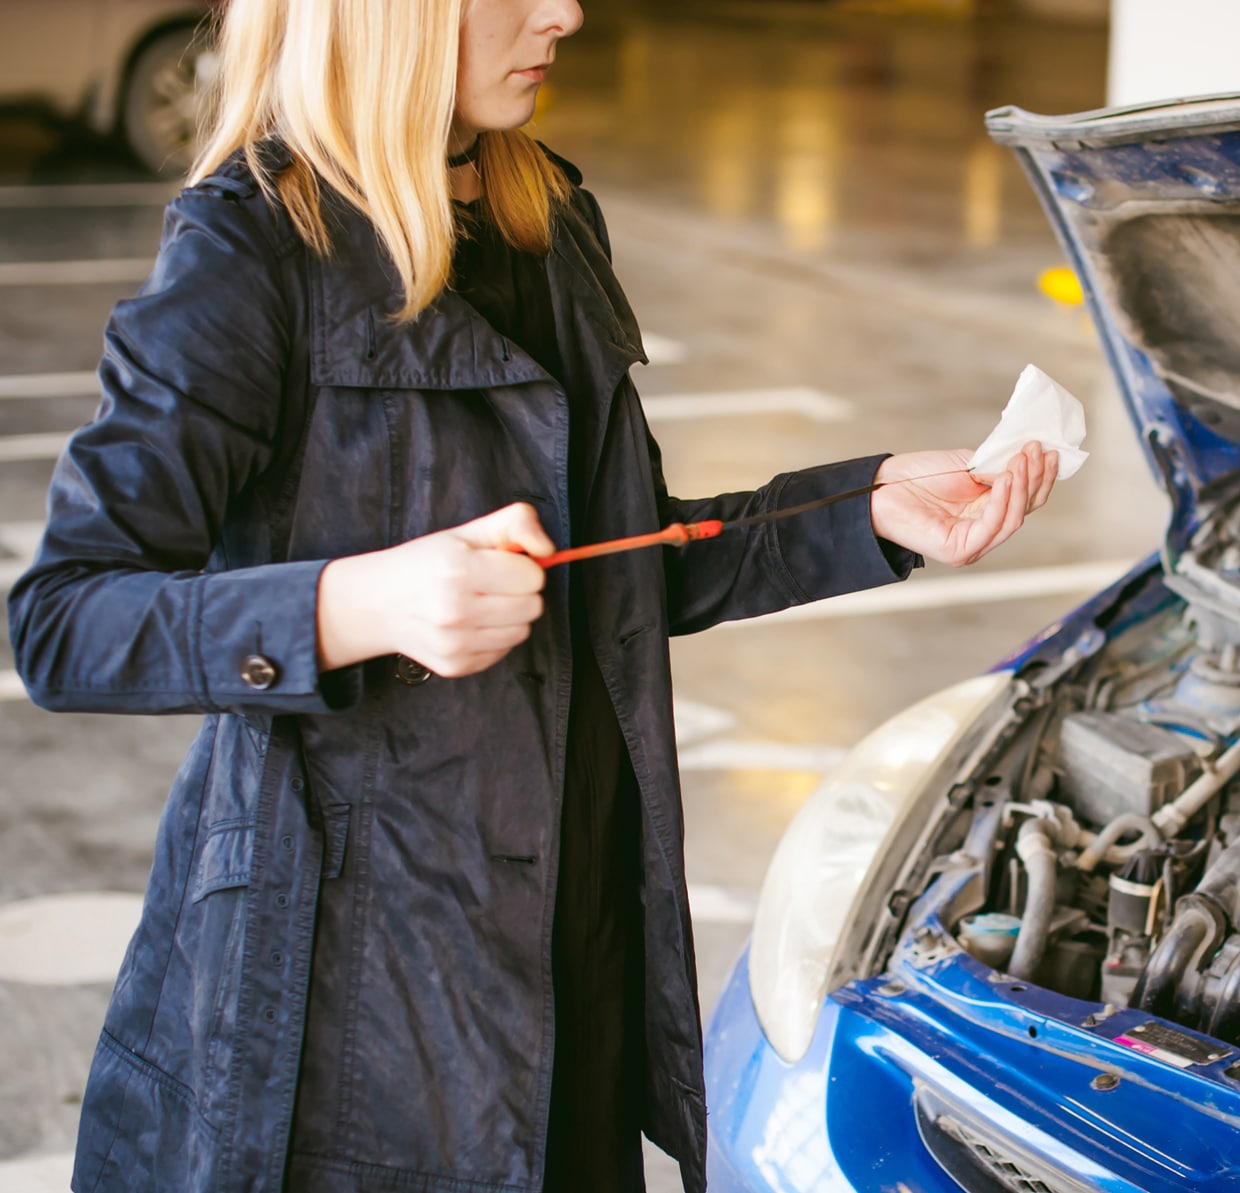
{"x":1163,"y":49}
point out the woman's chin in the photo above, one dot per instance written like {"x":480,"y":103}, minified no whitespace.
{"x":503,"y":118}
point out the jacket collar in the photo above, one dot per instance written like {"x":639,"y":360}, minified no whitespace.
{"x":354,"y":343}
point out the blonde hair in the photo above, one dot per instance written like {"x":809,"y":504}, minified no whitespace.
{"x":362,"y":93}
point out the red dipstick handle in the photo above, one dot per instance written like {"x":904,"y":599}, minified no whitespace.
{"x":675,"y":535}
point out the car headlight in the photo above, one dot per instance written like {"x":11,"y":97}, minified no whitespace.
{"x":869,"y":809}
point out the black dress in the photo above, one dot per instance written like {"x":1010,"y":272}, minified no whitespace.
{"x":597,"y":1090}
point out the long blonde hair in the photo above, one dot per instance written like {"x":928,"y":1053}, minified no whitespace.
{"x":362,"y":92}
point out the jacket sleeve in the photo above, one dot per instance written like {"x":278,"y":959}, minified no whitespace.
{"x":123,"y":609}
{"x":774,"y":565}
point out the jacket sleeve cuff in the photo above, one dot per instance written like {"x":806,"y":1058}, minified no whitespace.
{"x":257,"y":643}
{"x":834,"y":549}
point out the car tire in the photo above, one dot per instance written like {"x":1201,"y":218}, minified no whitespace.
{"x":161,"y":101}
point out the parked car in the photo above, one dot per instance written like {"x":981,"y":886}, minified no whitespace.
{"x":130,"y":68}
{"x":1034,"y":987}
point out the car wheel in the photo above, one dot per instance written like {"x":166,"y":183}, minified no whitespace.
{"x":160,"y":105}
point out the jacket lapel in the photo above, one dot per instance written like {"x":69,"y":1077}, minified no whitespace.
{"x":355,"y":344}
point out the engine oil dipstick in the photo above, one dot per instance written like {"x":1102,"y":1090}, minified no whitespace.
{"x":680,"y":534}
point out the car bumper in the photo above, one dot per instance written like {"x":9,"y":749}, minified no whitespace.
{"x":903,"y":1085}
{"x":769,"y":1125}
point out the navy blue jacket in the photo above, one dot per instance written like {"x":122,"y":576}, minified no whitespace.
{"x":342,"y":975}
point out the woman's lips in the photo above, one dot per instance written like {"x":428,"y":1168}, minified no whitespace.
{"x":535,"y":74}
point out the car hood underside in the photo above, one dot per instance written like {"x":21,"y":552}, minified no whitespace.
{"x":1146,"y":202}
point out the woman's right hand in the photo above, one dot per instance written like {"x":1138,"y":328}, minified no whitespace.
{"x":456,"y":601}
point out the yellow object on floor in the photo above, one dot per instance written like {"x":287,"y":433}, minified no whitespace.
{"x":1062,"y":285}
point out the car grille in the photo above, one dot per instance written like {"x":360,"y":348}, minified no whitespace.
{"x":979,"y":1158}
{"x":1007,"y":1172}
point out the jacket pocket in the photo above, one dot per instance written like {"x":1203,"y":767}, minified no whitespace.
{"x":220,"y":884}
{"x":225,"y":859}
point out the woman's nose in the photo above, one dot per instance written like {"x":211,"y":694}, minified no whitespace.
{"x":564,"y":16}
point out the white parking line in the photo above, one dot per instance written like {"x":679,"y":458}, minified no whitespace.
{"x":11,"y":687}
{"x":10,"y":569}
{"x":74,"y":273}
{"x":108,"y":194}
{"x":977,"y":589}
{"x":695,"y":721}
{"x":717,"y":905}
{"x":660,"y":350}
{"x":21,"y":538}
{"x":19,"y":541}
{"x":811,"y":403}
{"x":66,"y":939}
{"x":727,"y":754}
{"x":49,"y":385}
{"x":36,"y":1174}
{"x":43,"y":446}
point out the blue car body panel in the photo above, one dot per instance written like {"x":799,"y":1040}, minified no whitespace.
{"x":1133,"y":597}
{"x":1015,"y":1064}
{"x":915,"y":1073}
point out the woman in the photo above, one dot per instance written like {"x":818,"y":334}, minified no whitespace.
{"x":417,"y":918}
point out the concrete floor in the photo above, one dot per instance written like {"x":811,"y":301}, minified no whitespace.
{"x":830,"y":258}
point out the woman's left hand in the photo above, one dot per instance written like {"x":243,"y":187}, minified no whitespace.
{"x":957,"y":518}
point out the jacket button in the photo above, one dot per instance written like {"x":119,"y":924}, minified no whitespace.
{"x":407,"y":671}
{"x":259,"y":672}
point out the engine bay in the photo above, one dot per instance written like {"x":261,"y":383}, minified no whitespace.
{"x":1107,"y":823}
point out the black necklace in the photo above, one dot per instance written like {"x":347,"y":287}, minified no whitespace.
{"x":468,"y":158}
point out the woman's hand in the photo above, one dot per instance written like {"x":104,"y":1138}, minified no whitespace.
{"x":956,"y":518}
{"x":456,"y":601}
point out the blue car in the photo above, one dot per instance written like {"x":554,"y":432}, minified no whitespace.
{"x":1035,"y":987}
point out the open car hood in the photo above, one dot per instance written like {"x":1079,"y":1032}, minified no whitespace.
{"x":1146,"y":202}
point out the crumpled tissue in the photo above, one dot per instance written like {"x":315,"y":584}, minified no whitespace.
{"x":1039,"y":408}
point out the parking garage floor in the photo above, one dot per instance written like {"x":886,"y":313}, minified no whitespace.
{"x":829,"y":259}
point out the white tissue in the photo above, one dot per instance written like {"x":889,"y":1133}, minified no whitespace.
{"x":1040,"y":409}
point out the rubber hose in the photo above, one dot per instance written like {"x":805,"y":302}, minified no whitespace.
{"x":1156,"y":988}
{"x":1033,"y":845}
{"x":1128,"y":822}
{"x":1221,"y":882}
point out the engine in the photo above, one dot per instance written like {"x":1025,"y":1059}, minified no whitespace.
{"x":1114,"y":873}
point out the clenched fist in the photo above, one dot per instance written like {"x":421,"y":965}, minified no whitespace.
{"x":456,"y":601}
